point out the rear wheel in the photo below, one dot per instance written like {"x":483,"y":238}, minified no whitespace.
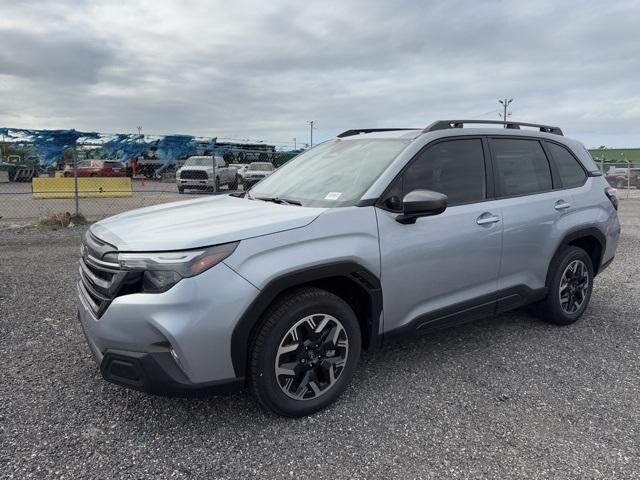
{"x":620,"y":183}
{"x":570,"y":287}
{"x":305,"y":352}
{"x":234,"y":185}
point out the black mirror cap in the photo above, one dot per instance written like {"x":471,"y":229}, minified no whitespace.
{"x":422,"y":203}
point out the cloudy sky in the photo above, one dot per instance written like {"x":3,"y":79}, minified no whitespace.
{"x":261,"y":69}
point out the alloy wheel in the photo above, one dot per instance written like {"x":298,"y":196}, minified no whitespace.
{"x":574,"y":286}
{"x":311,"y":356}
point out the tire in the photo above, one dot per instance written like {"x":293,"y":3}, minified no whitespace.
{"x":181,"y":190}
{"x":324,"y":361}
{"x":620,"y":184}
{"x":553,"y":309}
{"x":93,"y":175}
{"x":234,"y":185}
{"x":217,"y":187}
{"x":66,"y":174}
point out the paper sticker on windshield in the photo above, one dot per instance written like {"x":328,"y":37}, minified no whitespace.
{"x":333,"y":195}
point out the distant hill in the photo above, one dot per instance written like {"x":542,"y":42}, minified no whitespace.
{"x":616,"y":154}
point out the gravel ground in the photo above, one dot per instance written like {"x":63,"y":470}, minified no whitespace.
{"x":508,"y":397}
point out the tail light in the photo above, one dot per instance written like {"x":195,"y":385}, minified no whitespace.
{"x":611,"y":195}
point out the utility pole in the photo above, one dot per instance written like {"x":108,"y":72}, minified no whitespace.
{"x":505,"y":104}
{"x":295,"y":145}
{"x":311,"y":122}
{"x":139,"y":129}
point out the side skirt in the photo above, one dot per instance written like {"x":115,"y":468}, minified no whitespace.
{"x":476,"y":309}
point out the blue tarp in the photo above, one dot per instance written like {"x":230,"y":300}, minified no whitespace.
{"x":49,"y":145}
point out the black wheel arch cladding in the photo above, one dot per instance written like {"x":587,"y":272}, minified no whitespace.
{"x":590,"y":239}
{"x":366,"y":289}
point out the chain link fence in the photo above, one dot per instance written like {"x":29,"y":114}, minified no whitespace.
{"x":93,"y":179}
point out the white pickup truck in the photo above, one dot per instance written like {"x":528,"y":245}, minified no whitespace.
{"x":206,"y":173}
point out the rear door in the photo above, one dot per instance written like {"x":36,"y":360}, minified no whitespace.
{"x":443,"y":269}
{"x":533,"y":208}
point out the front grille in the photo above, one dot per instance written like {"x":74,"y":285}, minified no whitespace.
{"x":193,"y":175}
{"x":100,"y":281}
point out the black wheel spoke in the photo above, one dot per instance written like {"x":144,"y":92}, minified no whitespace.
{"x":311,"y":356}
{"x":574,"y":285}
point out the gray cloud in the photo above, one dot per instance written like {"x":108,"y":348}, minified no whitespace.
{"x":58,"y":57}
{"x":261,"y":69}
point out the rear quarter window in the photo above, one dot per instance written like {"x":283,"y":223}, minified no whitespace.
{"x":571,"y":173}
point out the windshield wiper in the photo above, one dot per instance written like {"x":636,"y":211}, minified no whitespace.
{"x":285,"y":201}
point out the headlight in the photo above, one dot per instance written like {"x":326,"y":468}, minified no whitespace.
{"x":162,"y":270}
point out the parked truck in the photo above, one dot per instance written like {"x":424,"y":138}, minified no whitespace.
{"x":206,"y":173}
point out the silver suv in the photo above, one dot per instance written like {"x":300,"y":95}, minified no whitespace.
{"x":255,"y":172}
{"x":376,"y":233}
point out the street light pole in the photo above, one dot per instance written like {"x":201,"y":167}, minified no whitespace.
{"x":311,"y":122}
{"x":505,"y":104}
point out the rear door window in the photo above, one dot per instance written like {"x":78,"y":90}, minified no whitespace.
{"x":521,"y":167}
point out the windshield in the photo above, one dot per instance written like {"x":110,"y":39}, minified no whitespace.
{"x":198,"y":161}
{"x":335,"y":173}
{"x":266,"y":167}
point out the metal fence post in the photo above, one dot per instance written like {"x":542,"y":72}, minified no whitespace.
{"x":215,"y":184}
{"x":75,"y":180}
{"x":628,"y":178}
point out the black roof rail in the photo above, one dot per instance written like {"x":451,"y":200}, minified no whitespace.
{"x":445,"y":124}
{"x":358,"y":131}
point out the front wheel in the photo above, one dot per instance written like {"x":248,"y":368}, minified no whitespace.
{"x":570,"y":287}
{"x":304,"y":354}
{"x":234,"y":185}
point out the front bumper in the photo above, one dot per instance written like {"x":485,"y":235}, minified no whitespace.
{"x":252,"y":180}
{"x":157,"y":373}
{"x":174,"y":342}
{"x":194,"y":183}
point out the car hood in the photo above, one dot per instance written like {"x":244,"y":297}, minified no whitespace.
{"x":201,"y":222}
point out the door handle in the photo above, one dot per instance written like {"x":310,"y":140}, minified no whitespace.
{"x":487,"y":218}
{"x":561,"y":205}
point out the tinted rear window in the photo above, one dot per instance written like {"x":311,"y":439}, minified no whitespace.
{"x":571,"y":173}
{"x":521,"y":167}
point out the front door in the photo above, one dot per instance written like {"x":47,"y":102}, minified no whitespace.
{"x":442,"y":269}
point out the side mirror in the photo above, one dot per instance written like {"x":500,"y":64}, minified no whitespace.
{"x":421,"y":203}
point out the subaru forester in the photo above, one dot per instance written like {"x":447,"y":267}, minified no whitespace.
{"x":373,"y":234}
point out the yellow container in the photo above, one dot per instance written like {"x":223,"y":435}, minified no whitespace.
{"x":94,"y":187}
